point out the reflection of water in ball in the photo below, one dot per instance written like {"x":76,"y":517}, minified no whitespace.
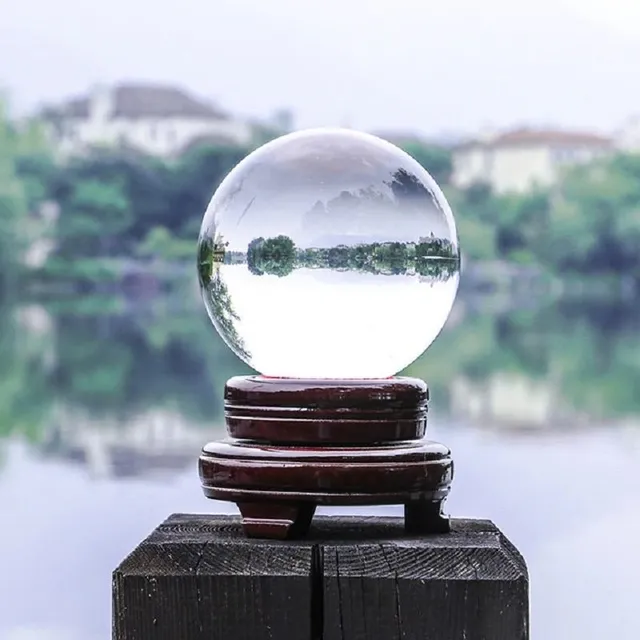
{"x":328,"y":253}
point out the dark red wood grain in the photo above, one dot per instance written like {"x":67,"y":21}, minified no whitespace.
{"x":422,"y":468}
{"x":293,"y":411}
{"x":297,"y":443}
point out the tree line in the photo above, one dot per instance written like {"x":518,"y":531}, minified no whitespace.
{"x":434,"y":257}
{"x":587,"y":225}
{"x":119,"y":204}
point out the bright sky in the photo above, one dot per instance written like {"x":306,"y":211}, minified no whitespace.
{"x":427,"y":65}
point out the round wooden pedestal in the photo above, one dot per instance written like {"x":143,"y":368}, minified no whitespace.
{"x":295,"y":444}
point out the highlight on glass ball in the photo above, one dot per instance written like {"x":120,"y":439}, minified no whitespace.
{"x":328,"y":253}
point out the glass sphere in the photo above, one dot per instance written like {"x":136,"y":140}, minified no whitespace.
{"x":328,"y":253}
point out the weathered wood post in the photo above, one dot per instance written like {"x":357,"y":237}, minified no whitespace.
{"x":355,"y":434}
{"x":198,"y":577}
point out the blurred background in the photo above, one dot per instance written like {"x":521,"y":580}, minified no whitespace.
{"x":117,"y":122}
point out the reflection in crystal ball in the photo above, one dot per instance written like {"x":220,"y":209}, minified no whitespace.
{"x":328,"y":253}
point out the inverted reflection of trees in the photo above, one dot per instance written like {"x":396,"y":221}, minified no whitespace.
{"x":433,"y":257}
{"x":224,"y":316}
{"x":399,"y":199}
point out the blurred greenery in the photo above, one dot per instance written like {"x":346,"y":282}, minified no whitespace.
{"x":25,"y":395}
{"x":588,"y":351}
{"x":113,"y":206}
{"x":17,"y":192}
{"x":98,"y":214}
{"x":112,"y":361}
{"x":165,"y":356}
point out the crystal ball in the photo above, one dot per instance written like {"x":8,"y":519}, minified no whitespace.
{"x":328,"y":253}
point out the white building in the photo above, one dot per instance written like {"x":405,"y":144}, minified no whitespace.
{"x":155,"y":119}
{"x":520,"y":160}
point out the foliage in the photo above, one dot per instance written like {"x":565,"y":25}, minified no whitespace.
{"x":585,"y":354}
{"x":111,"y":363}
{"x":25,"y":396}
{"x":13,"y":204}
{"x":194,"y":178}
{"x":116,"y":204}
{"x":253,"y":256}
{"x":436,"y":160}
{"x":206,"y":258}
{"x":85,"y":273}
{"x":276,"y":256}
{"x":223,"y":315}
{"x":161,"y":244}
{"x":434,"y":257}
{"x":597,"y":213}
{"x":94,"y":214}
{"x":588,"y":225}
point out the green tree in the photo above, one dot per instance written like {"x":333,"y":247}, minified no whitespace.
{"x":161,"y":244}
{"x":194,"y":179}
{"x":13,"y":205}
{"x":143,"y":183}
{"x":594,"y":225}
{"x":477,"y":217}
{"x":25,"y":397}
{"x":436,"y":160}
{"x":224,"y":316}
{"x":477,"y":239}
{"x":253,"y":256}
{"x":37,"y":173}
{"x":94,"y":215}
{"x":275,"y":256}
{"x":523,"y":225}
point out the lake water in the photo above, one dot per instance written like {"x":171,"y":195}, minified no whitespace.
{"x":104,"y":405}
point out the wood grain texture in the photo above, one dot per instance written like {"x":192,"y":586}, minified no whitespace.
{"x":298,"y":411}
{"x":298,"y":443}
{"x":198,"y":576}
{"x":289,"y":480}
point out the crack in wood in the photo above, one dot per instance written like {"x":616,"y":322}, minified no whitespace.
{"x":317,"y":592}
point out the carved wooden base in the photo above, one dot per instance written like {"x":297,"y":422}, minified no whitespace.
{"x":363,"y":446}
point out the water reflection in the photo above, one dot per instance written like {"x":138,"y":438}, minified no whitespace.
{"x":564,"y":365}
{"x":114,"y":379}
{"x":106,"y":408}
{"x":154,"y":375}
{"x":152,"y":442}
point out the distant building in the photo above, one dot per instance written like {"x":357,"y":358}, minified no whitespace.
{"x":155,"y":119}
{"x":519,"y":160}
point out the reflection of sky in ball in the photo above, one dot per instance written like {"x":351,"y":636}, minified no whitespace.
{"x":322,"y":323}
{"x":322,"y":189}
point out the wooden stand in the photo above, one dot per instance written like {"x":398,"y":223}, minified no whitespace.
{"x":198,"y":578}
{"x":295,"y":444}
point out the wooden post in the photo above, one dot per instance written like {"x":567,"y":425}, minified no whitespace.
{"x":199,"y":577}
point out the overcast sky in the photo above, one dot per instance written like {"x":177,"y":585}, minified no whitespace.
{"x":415,"y":65}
